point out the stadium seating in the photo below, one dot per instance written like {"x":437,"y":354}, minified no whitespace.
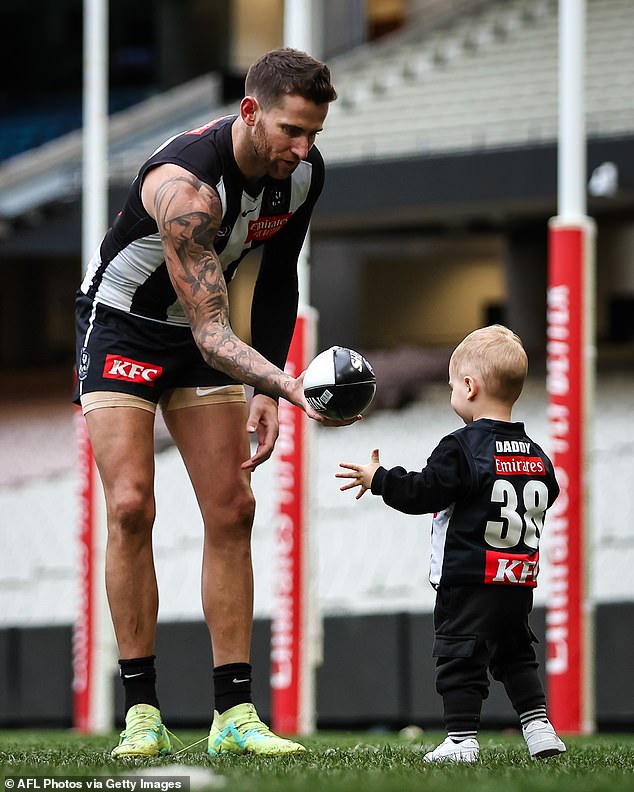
{"x":484,"y":78}
{"x":487,"y":79}
{"x":53,"y":118}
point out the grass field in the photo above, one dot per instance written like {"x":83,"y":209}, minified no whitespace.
{"x":337,"y":762}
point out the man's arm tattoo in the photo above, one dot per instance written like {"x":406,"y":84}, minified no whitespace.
{"x":188,"y":216}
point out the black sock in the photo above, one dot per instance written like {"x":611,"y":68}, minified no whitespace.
{"x":537,"y":713}
{"x":460,"y":736}
{"x":232,"y":685}
{"x":139,"y":681}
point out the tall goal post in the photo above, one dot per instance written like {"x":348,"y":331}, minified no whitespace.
{"x":296,"y":624}
{"x":570,"y":384}
{"x":93,"y":641}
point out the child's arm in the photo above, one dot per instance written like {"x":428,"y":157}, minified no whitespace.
{"x":362,"y":475}
{"x":445,"y":478}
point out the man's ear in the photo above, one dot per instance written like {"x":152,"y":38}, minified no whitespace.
{"x":249,"y":107}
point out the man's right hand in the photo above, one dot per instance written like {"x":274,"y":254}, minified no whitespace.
{"x":297,"y":396}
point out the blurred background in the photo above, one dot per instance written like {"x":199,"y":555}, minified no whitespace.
{"x":441,"y":156}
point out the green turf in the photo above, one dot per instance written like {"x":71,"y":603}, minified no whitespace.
{"x":336,"y":762}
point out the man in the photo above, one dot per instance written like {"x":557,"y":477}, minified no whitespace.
{"x":153,"y":328}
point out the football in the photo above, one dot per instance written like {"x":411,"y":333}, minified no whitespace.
{"x":339,"y":383}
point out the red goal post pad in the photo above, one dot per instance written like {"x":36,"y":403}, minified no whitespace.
{"x":570,"y":385}
{"x":94,"y":652}
{"x":294,"y":649}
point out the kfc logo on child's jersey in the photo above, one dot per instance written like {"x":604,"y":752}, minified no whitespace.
{"x":511,"y":569}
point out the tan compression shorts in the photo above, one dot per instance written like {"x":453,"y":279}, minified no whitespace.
{"x":173,"y":399}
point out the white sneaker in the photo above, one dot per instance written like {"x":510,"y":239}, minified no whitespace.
{"x":449,"y":751}
{"x":542,"y":739}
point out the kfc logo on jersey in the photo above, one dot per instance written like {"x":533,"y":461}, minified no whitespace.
{"x":264,"y":227}
{"x":510,"y":569}
{"x":121,"y":368}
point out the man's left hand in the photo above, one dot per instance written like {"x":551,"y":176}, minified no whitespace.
{"x":264,"y":423}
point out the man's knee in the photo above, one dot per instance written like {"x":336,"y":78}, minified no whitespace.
{"x":131,"y":511}
{"x":235,"y":514}
{"x":240,"y":506}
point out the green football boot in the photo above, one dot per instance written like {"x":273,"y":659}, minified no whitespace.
{"x":239,"y":730}
{"x":144,"y":734}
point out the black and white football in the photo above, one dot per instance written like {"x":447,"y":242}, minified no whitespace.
{"x":339,"y":383}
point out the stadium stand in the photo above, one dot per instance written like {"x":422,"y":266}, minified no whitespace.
{"x":53,"y":170}
{"x":486,"y":81}
{"x":28,"y":129}
{"x":482,"y":79}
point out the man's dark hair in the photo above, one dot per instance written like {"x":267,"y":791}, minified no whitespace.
{"x":288,"y":72}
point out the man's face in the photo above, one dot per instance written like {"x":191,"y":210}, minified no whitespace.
{"x":283,"y":135}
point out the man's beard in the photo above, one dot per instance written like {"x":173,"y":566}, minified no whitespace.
{"x":275,"y":168}
{"x":261,"y":146}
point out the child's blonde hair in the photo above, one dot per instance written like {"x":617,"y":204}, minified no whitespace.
{"x":498,"y":356}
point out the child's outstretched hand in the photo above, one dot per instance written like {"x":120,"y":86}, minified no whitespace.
{"x":361,"y":475}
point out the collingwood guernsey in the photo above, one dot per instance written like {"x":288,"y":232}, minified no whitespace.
{"x":488,"y":486}
{"x":129,"y":273}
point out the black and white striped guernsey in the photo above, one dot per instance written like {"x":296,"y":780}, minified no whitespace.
{"x":129,"y":273}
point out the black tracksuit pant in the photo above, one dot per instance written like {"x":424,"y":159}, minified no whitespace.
{"x":480,"y":629}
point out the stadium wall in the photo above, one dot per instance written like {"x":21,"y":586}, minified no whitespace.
{"x":377,"y":673}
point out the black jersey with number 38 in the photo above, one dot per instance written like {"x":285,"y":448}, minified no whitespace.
{"x":489,"y":486}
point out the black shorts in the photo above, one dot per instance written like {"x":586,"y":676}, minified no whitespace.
{"x":483,"y":613}
{"x":121,"y":353}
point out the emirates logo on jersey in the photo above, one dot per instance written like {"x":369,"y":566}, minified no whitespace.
{"x":265,"y":227}
{"x":519,"y":466}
